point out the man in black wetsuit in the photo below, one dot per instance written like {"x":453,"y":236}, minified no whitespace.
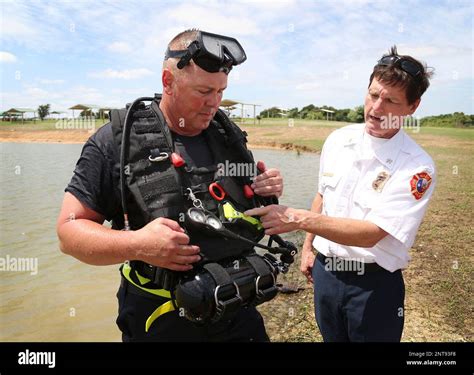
{"x":193,"y":86}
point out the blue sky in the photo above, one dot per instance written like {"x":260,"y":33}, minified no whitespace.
{"x":299,"y":52}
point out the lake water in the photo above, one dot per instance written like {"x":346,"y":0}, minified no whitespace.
{"x":66,"y":300}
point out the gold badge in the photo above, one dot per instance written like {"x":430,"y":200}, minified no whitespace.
{"x":380,"y":181}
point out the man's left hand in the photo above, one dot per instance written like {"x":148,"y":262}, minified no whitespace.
{"x":278,"y":219}
{"x":269,"y":182}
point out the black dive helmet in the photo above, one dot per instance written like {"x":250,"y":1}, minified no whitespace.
{"x":213,"y":290}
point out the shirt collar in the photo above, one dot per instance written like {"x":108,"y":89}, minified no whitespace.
{"x":387,"y":154}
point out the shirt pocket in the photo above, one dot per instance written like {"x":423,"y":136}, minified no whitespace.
{"x":364,"y":201}
{"x":329,"y":184}
{"x":330,"y":181}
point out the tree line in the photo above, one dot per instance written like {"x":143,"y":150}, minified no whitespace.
{"x":311,"y":112}
{"x":44,"y":111}
{"x":356,"y":115}
{"x":451,"y":120}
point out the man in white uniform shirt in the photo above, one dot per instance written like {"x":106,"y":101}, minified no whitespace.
{"x":374,"y":186}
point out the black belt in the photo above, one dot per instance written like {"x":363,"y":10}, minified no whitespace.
{"x":344,"y":265}
{"x":163,"y":278}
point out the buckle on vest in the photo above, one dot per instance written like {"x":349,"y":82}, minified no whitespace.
{"x":223,"y":306}
{"x":160,"y":157}
{"x":266,"y":294}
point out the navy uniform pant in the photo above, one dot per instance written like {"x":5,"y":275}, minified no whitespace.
{"x":352,"y":307}
{"x":134,"y":310}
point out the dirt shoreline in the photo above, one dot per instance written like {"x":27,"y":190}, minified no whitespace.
{"x":44,"y":136}
{"x":79,"y":137}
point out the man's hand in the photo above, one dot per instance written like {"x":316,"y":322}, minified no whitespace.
{"x":269,"y":182}
{"x":307,"y":262}
{"x":163,"y":243}
{"x":278,"y":219}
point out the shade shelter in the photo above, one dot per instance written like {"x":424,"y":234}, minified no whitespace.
{"x":90,"y":108}
{"x":229,"y":105}
{"x":19,"y":112}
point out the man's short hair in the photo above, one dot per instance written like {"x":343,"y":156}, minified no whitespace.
{"x":183,"y":39}
{"x":395,"y":75}
{"x":179,"y":42}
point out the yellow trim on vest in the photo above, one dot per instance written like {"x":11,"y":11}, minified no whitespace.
{"x":158,"y":292}
{"x":142,"y":279}
{"x":163,"y":309}
{"x":231,"y":213}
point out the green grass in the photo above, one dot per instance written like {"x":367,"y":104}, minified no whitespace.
{"x":313,"y":144}
{"x":447,"y":232}
{"x":283,"y":122}
{"x":275,"y":123}
{"x":458,"y":133}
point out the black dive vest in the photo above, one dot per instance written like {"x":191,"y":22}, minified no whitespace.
{"x":158,"y":189}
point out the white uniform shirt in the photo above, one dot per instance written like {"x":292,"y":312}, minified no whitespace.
{"x":385,"y":181}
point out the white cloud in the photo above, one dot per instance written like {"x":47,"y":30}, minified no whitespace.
{"x":216,"y":19}
{"x":420,"y":51}
{"x":37,"y":93}
{"x":299,"y":52}
{"x":123,"y":74}
{"x":119,"y":47}
{"x":7,"y":57}
{"x":84,"y":94}
{"x":17,"y":27}
{"x":307,"y":86}
{"x":44,"y":81}
{"x":20,"y":26}
{"x":32,"y":97}
{"x":269,"y":4}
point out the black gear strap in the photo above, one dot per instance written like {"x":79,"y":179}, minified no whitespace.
{"x":161,"y":277}
{"x":265,"y":282}
{"x":226,"y":294}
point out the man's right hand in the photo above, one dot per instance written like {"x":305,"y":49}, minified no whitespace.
{"x":163,"y":243}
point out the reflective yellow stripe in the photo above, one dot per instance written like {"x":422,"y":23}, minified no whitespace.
{"x":163,"y":309}
{"x":142,"y":279}
{"x":158,"y":292}
{"x":231,"y":213}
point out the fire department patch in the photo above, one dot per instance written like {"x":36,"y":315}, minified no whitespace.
{"x":419,"y":184}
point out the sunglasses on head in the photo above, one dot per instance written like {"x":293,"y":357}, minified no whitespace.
{"x":408,"y":66}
